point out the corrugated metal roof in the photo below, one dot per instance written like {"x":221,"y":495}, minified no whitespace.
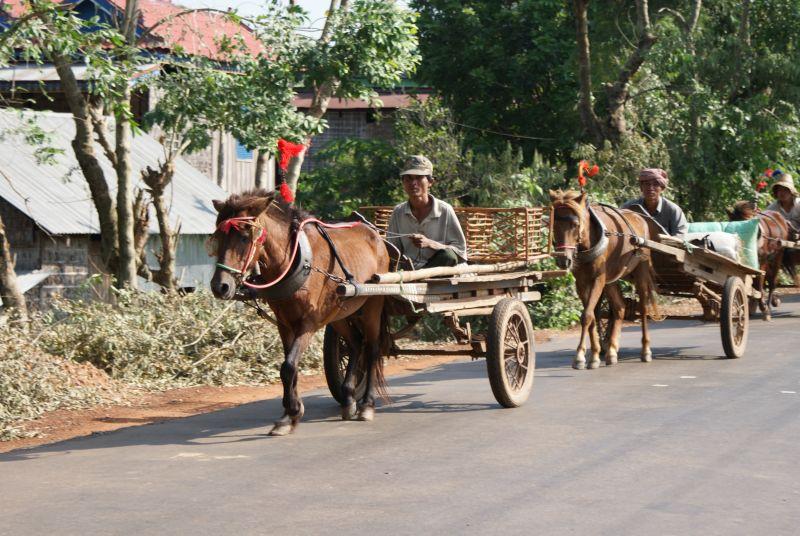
{"x":57,"y":196}
{"x":47,"y":73}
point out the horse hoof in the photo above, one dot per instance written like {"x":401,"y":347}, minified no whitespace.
{"x":776,"y":302}
{"x":611,"y":362}
{"x":349,"y":412}
{"x":367,"y":413}
{"x":593,"y":365}
{"x":282,"y":429}
{"x":580,"y":365}
{"x":647,"y":357}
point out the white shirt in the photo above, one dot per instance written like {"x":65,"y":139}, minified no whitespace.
{"x":793,"y":215}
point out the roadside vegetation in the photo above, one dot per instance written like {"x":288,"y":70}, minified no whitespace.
{"x":87,"y":353}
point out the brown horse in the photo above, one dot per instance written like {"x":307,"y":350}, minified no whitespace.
{"x":600,"y":245}
{"x":772,"y":231}
{"x":270,"y":252}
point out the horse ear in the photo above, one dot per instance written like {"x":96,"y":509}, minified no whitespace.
{"x":553,"y":195}
{"x":218,"y":204}
{"x":261,"y":205}
{"x":581,"y":199}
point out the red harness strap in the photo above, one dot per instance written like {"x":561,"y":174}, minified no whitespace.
{"x":238,"y":223}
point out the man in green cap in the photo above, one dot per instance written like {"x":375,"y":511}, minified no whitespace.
{"x":425,"y":229}
{"x":786,"y":200}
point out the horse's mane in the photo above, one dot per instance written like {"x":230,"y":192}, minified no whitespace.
{"x":251,"y":199}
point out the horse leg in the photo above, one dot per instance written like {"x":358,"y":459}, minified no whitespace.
{"x":350,"y":334}
{"x":372,"y":318}
{"x":590,"y":292}
{"x":292,"y":404}
{"x":644,"y":292}
{"x":617,"y":312}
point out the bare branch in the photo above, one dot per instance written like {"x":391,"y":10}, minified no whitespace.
{"x":101,"y":129}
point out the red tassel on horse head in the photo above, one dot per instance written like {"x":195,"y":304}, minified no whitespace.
{"x":286,"y":151}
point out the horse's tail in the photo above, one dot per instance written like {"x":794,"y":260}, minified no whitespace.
{"x":384,"y":345}
{"x":650,"y":294}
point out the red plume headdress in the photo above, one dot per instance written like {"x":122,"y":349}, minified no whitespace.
{"x":286,"y":151}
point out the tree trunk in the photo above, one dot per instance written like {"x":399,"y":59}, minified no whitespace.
{"x":12,"y":298}
{"x":83,"y":146}
{"x":319,"y":105}
{"x":157,"y":181}
{"x":322,"y":93}
{"x":126,"y":271}
{"x":261,"y":169}
{"x":617,"y":93}
{"x":585,"y":101}
{"x":221,"y":160}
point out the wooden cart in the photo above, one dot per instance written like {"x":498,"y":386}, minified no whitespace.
{"x":506,"y":242}
{"x":723,"y":287}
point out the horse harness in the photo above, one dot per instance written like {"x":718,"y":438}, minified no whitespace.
{"x":300,"y":264}
{"x":589,"y":255}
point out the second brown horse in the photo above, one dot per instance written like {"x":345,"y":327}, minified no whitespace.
{"x":773,"y":231}
{"x":599,"y":245}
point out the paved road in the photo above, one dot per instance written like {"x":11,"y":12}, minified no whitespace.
{"x":689,"y":444}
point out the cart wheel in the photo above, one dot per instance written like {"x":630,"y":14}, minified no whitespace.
{"x":602,"y":315}
{"x":510,"y":354}
{"x":734,"y":318}
{"x":335,"y":357}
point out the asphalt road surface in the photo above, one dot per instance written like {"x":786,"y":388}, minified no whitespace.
{"x":688,"y":444}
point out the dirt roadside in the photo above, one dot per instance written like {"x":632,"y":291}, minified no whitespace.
{"x":150,"y":408}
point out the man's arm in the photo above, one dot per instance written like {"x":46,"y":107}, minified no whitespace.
{"x":455,"y":238}
{"x":681,"y":225}
{"x":393,"y":230}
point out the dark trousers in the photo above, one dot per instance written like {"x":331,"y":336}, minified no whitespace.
{"x":443,"y":257}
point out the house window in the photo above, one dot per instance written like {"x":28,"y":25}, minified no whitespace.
{"x":242,"y":152}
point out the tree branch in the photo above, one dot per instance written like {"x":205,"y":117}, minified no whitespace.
{"x":101,"y":129}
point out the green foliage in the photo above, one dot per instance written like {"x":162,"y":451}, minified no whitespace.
{"x":619,"y":166}
{"x":373,"y":44}
{"x":714,"y":107}
{"x":506,"y":67}
{"x":365,"y":172}
{"x":356,"y":173}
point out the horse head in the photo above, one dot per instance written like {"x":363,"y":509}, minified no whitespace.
{"x":245,"y":234}
{"x":569,"y":225}
{"x":742,"y":210}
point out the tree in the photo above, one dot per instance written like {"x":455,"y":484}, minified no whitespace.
{"x":505,"y":69}
{"x":12,"y":297}
{"x":363,"y":44}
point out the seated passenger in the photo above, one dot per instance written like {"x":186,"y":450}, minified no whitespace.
{"x":652,"y":183}
{"x":786,"y":200}
{"x":425,"y":229}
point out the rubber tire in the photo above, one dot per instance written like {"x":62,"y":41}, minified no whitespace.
{"x":733,"y":286}
{"x":502,"y":313}
{"x":334,"y":364}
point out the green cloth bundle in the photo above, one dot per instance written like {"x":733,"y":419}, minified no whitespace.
{"x":747,"y":231}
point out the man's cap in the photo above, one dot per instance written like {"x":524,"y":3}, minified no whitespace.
{"x":785,"y":180}
{"x":417,"y":165}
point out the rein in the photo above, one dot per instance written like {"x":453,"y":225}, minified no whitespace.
{"x":238,"y":222}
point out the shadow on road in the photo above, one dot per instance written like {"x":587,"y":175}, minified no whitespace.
{"x":252,"y":421}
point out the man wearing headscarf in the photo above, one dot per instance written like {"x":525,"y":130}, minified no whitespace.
{"x":652,"y":183}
